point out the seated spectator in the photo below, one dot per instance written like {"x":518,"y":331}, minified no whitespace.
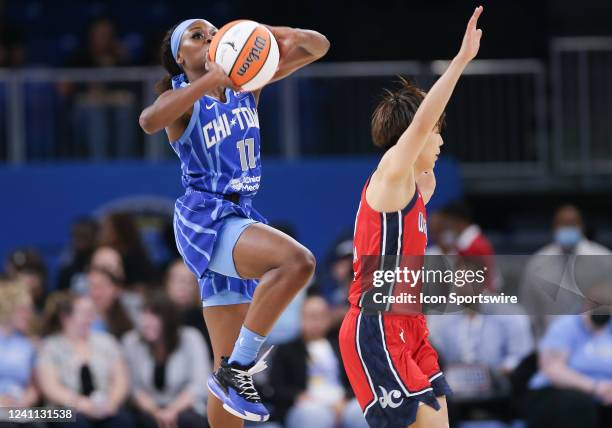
{"x":288,"y":325}
{"x":573,"y":387}
{"x":182,"y":288}
{"x":80,"y":368}
{"x":105,"y":293}
{"x":17,"y":351}
{"x":467,"y":240}
{"x":27,"y":267}
{"x":169,"y":366}
{"x":309,"y":383}
{"x":109,"y":259}
{"x":12,"y":49}
{"x":334,"y":286}
{"x":546,"y":290}
{"x":76,"y":259}
{"x":479,"y":348}
{"x":103,"y":49}
{"x":120,"y":231}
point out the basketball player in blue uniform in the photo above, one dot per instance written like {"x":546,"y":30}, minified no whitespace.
{"x":214,"y":130}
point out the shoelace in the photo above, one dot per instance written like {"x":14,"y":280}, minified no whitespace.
{"x":245,"y":378}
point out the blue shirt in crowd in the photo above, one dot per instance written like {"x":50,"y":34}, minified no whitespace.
{"x":17,"y":355}
{"x":589,"y":352}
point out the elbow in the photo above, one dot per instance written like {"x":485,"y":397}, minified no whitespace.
{"x":323,"y":47}
{"x":146,"y":123}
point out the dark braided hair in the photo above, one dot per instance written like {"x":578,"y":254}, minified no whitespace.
{"x":168,"y":62}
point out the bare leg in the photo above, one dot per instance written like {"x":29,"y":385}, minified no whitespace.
{"x":283,"y":267}
{"x":223,"y":323}
{"x":428,"y":417}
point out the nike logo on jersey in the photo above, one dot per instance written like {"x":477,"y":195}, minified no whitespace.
{"x":386,"y":398}
{"x":208,"y":107}
{"x":402,"y":336}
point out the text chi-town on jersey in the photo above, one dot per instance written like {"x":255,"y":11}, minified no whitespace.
{"x":385,"y":241}
{"x":219,"y":150}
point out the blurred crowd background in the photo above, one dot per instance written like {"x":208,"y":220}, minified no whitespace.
{"x":98,"y":312}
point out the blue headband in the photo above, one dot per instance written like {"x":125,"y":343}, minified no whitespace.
{"x":177,"y":35}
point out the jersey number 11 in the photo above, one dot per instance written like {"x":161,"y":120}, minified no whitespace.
{"x":245,"y":146}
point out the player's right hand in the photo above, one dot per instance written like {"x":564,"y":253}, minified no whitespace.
{"x":471,"y":39}
{"x":218,"y":76}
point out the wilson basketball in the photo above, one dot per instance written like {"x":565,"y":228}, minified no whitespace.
{"x":247,"y":51}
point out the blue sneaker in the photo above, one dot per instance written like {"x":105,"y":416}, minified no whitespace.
{"x":233,"y":385}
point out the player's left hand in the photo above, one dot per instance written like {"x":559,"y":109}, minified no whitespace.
{"x":471,"y":38}
{"x":286,"y":38}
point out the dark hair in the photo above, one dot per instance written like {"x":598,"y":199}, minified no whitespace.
{"x":126,"y":232}
{"x":168,"y":62}
{"x":158,"y":302}
{"x":459,"y":210}
{"x":116,"y":318}
{"x":395,"y":112}
{"x":59,"y":304}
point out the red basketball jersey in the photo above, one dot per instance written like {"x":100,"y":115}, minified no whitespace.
{"x":401,"y":233}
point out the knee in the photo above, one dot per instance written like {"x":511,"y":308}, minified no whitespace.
{"x":302,"y":265}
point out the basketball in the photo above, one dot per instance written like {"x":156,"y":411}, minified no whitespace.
{"x":247,"y":51}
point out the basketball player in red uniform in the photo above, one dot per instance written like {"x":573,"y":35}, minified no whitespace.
{"x":392,"y":368}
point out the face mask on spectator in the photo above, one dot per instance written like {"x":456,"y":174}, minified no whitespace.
{"x":599,"y":320}
{"x":568,"y":236}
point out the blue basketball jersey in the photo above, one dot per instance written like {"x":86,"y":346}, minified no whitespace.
{"x":219,"y":150}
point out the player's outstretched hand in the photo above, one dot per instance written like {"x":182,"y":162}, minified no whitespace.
{"x":471,"y":39}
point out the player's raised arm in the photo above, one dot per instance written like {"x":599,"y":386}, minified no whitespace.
{"x":397,"y":163}
{"x":298,"y":48}
{"x":173,"y":104}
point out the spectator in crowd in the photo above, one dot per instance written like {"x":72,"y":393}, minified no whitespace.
{"x":573,"y":387}
{"x":17,"y":351}
{"x":103,"y":48}
{"x":110,"y":260}
{"x":104,"y":111}
{"x":27,"y":267}
{"x":81,"y":368}
{"x":441,"y":238}
{"x":467,"y":240}
{"x":557,"y":276}
{"x":182,"y":288}
{"x":335,"y":285}
{"x":105,"y":293}
{"x":465,"y":235}
{"x":309,"y":383}
{"x":480,"y":346}
{"x":169,"y":365}
{"x":120,"y":231}
{"x":75,"y":261}
{"x":12,"y":51}
{"x":289,"y":324}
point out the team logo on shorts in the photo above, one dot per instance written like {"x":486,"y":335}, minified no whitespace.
{"x":386,"y":398}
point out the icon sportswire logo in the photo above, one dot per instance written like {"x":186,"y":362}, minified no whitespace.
{"x":386,"y":398}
